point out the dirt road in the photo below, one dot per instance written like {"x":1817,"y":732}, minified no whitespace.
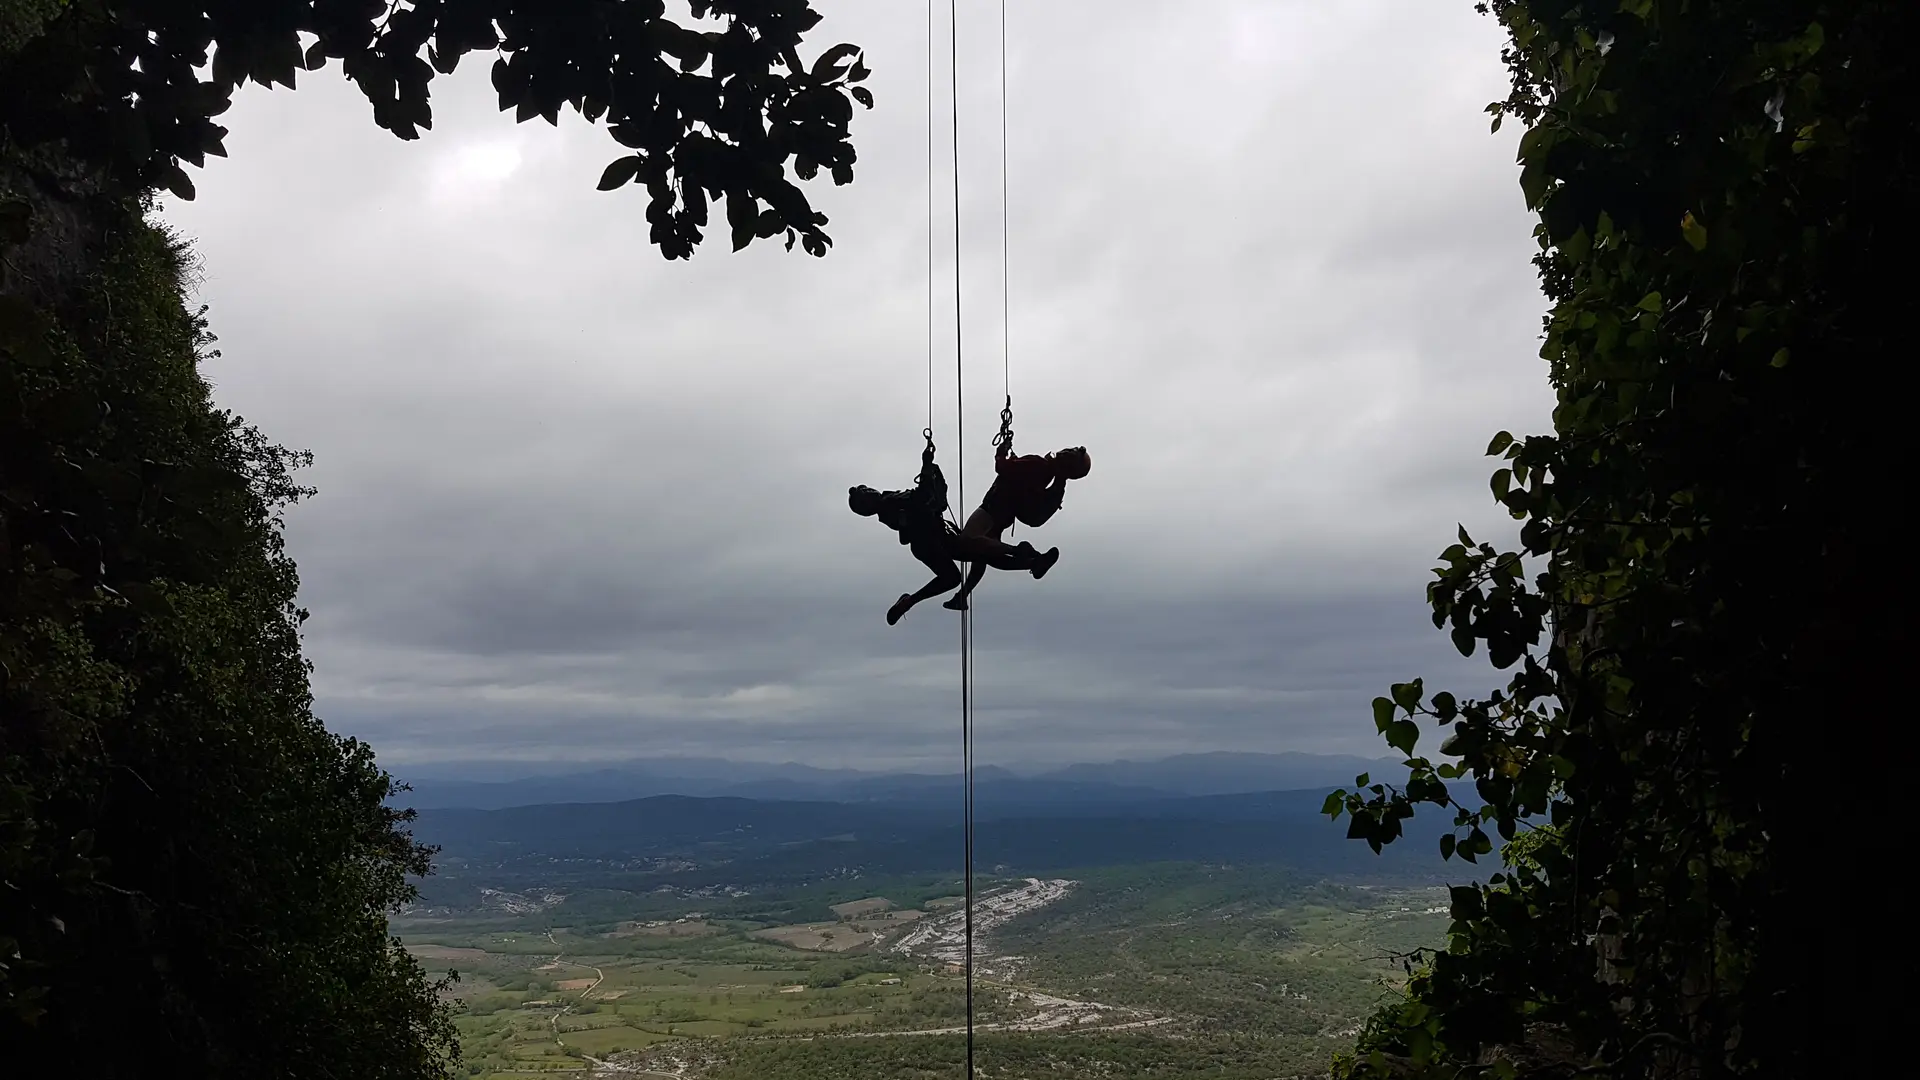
{"x":598,"y":978}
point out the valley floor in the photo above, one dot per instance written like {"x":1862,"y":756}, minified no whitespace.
{"x":1158,"y":971}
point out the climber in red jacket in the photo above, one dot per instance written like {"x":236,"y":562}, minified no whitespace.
{"x":1028,"y":489}
{"x":916,"y":514}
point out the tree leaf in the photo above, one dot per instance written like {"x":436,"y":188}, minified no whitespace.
{"x":1695,"y":233}
{"x":1402,"y":735}
{"x":1463,"y":640}
{"x":1383,"y":712}
{"x":827,"y":66}
{"x":1407,"y":695}
{"x":175,"y":179}
{"x":621,"y":172}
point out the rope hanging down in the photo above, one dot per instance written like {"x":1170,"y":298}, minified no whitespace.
{"x":1005,"y":435}
{"x":930,"y":286}
{"x":1006,"y":291}
{"x":960,"y":443}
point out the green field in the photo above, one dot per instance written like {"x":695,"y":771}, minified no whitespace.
{"x":1164,"y":971}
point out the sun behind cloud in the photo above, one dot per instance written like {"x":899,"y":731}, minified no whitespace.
{"x":473,"y":173}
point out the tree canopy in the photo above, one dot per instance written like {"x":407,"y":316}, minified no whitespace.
{"x":195,"y":874}
{"x":1701,"y":579}
{"x":717,"y":110}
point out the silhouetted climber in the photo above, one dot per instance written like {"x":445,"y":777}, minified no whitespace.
{"x":918,"y":515}
{"x":1026,"y":488}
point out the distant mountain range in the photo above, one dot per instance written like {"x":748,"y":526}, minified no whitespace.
{"x":744,"y":841}
{"x":997,"y":789}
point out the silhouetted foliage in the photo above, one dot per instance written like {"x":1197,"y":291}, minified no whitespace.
{"x":197,"y":873}
{"x":194,"y":874}
{"x":1723,"y":189}
{"x":710,"y":111}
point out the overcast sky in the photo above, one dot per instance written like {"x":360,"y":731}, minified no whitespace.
{"x":579,"y":503}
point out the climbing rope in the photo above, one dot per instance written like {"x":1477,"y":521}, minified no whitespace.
{"x":1003,"y":438}
{"x":960,"y":442}
{"x":930,"y":285}
{"x":1006,"y":289}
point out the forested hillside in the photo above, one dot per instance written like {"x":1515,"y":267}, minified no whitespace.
{"x":197,"y":874}
{"x":1703,"y":599}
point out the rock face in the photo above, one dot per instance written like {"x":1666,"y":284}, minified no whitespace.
{"x":197,"y":873}
{"x":51,"y":226}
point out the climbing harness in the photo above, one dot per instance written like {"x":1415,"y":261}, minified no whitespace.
{"x":1004,"y":438}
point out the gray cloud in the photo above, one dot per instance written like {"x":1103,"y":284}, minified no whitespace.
{"x":578,"y":503}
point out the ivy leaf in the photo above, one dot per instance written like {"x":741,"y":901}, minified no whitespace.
{"x":1382,"y":716}
{"x":1463,"y":639}
{"x":1695,"y":233}
{"x":1419,"y":1045}
{"x":1533,"y":184}
{"x":1402,"y":735}
{"x":1407,"y":695}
